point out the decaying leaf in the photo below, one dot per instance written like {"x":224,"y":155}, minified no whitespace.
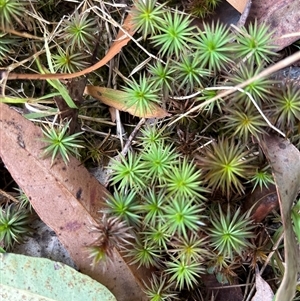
{"x":263,"y":289}
{"x":117,"y":100}
{"x":284,"y":158}
{"x":67,"y":199}
{"x":39,"y":279}
{"x":261,"y":202}
{"x":120,"y":41}
{"x":281,"y":15}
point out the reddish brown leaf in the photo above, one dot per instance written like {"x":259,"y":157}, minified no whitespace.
{"x":67,"y":199}
{"x":281,"y":15}
{"x":120,"y":41}
{"x":261,"y":202}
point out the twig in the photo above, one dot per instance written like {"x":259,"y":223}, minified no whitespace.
{"x":8,"y":196}
{"x":132,"y":135}
{"x":274,"y":68}
{"x":255,"y":104}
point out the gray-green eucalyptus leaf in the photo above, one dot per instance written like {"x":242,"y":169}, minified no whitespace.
{"x":36,"y":279}
{"x":284,"y":158}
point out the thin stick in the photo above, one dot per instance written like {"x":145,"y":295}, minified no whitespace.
{"x":123,"y":152}
{"x":99,"y":64}
{"x":276,"y":67}
{"x":8,"y":196}
{"x":255,"y":104}
{"x":21,"y":34}
{"x":132,"y":135}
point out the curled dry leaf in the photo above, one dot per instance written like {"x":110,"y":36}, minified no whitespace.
{"x":284,"y":158}
{"x":263,"y":289}
{"x":66,"y":198}
{"x":120,"y":41}
{"x":117,"y":100}
{"x":261,"y":202}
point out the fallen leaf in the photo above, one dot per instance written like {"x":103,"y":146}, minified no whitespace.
{"x":261,"y":202}
{"x":239,"y":5}
{"x":35,"y":279}
{"x":263,"y":289}
{"x":120,"y":41}
{"x":281,"y":15}
{"x":284,"y":158}
{"x":66,"y":198}
{"x":227,"y":14}
{"x":117,"y":99}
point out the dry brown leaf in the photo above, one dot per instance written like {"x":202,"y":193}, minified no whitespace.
{"x":227,"y":13}
{"x":239,"y":5}
{"x":263,"y":289}
{"x":117,"y":99}
{"x":281,"y":15}
{"x":261,"y":202}
{"x":67,"y":199}
{"x":284,"y":159}
{"x":120,"y":41}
